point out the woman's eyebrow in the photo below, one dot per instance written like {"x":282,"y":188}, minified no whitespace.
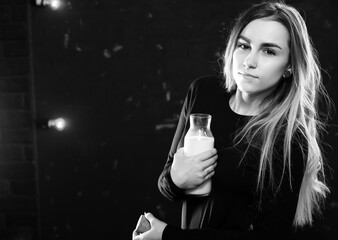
{"x":267,"y":44}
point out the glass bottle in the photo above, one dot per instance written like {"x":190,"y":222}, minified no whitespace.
{"x":199,"y":139}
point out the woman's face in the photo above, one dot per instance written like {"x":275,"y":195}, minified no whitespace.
{"x":261,"y":56}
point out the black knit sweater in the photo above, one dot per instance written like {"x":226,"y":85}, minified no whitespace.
{"x":234,"y":209}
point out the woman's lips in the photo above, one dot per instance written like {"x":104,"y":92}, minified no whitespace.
{"x":248,"y":76}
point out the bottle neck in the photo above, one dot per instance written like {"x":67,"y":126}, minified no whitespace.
{"x":200,"y":122}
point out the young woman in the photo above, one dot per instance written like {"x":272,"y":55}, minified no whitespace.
{"x":267,"y":172}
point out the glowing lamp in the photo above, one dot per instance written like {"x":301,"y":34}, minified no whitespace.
{"x":58,"y":124}
{"x":54,"y":4}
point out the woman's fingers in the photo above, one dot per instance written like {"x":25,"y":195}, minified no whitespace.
{"x":207,"y":154}
{"x":209,"y":162}
{"x":189,"y":172}
{"x":209,"y":169}
{"x":150,"y":217}
{"x":209,"y":174}
{"x":136,"y":236}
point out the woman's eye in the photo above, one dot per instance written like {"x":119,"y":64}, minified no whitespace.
{"x":242,"y":46}
{"x":269,"y":52}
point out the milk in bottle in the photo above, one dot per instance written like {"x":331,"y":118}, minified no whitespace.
{"x":197,"y":140}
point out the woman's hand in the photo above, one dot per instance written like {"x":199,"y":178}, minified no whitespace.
{"x":155,"y":232}
{"x":190,"y":172}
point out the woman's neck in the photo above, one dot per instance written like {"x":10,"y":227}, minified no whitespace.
{"x":246,"y":104}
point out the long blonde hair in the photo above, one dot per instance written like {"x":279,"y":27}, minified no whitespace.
{"x":292,"y":107}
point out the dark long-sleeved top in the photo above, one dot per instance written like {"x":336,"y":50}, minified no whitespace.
{"x":234,"y":209}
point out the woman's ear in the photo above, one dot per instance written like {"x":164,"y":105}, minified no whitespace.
{"x":287,"y":73}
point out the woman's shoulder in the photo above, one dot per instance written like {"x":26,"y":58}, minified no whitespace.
{"x":207,"y":94}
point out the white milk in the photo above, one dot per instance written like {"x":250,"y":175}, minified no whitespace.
{"x":195,"y":145}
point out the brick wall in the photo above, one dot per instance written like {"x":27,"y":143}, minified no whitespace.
{"x":18,"y":195}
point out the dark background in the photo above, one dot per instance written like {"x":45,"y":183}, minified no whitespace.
{"x":117,"y":71}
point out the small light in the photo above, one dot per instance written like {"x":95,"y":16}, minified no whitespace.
{"x":59,"y":124}
{"x":55,"y":4}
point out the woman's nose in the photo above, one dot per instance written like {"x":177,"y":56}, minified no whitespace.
{"x":250,"y":61}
